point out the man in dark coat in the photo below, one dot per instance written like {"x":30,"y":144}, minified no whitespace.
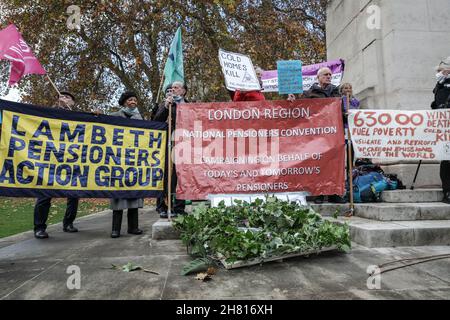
{"x":324,"y":89}
{"x":442,"y":101}
{"x":66,"y":101}
{"x":174,"y":96}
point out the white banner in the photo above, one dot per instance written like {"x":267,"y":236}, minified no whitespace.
{"x":401,"y":135}
{"x":238,"y":71}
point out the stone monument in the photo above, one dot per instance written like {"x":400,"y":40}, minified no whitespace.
{"x":391,"y":48}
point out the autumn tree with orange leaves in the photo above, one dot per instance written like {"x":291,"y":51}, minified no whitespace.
{"x":123,"y":44}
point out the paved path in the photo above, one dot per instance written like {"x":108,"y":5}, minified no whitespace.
{"x":37,"y":269}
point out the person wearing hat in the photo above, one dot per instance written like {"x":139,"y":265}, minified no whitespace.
{"x":442,"y":101}
{"x":128,"y":102}
{"x":66,"y":101}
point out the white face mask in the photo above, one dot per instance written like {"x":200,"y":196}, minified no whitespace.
{"x":440,"y":77}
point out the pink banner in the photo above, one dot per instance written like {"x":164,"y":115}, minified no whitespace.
{"x":16,"y":50}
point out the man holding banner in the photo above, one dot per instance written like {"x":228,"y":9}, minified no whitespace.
{"x":174,"y":97}
{"x":66,"y":100}
{"x":323,"y":88}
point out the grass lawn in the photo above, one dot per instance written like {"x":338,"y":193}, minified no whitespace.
{"x":16,"y":214}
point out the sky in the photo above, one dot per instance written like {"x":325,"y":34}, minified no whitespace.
{"x":13,"y":95}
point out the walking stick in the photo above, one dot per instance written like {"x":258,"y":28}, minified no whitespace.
{"x":169,"y":169}
{"x":415,"y":177}
{"x":350,"y":164}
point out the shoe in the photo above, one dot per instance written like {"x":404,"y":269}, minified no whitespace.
{"x":135,"y":231}
{"x":163,"y":215}
{"x":115,"y":234}
{"x":116,"y":223}
{"x":337,"y":199}
{"x":70,"y":228}
{"x":133,"y":222}
{"x":446,"y":197}
{"x":319,"y":199}
{"x":173,"y":215}
{"x":40,"y":234}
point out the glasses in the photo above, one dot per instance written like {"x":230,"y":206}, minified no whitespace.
{"x":326,"y":74}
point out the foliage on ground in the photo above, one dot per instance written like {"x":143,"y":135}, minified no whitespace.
{"x":258,"y":230}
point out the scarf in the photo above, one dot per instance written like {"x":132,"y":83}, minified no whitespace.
{"x":130,"y":112}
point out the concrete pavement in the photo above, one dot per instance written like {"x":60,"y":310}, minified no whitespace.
{"x":37,"y":269}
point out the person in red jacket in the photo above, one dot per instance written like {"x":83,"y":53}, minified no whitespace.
{"x":254,"y":95}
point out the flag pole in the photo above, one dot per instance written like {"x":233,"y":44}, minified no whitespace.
{"x":159,"y":90}
{"x":162,"y":78}
{"x":350,"y":163}
{"x":53,"y":85}
{"x":169,"y":178}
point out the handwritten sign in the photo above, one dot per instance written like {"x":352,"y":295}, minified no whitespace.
{"x":238,"y":71}
{"x":401,"y":135}
{"x":290,"y":76}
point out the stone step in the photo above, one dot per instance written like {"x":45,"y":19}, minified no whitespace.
{"x":408,"y":196}
{"x":404,"y":211}
{"x":375,"y":234}
{"x":390,"y":211}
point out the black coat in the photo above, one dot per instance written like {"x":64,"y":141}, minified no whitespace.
{"x":441,"y":95}
{"x":162,"y":114}
{"x":316,"y":91}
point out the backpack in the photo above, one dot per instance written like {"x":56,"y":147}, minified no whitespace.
{"x":368,"y":187}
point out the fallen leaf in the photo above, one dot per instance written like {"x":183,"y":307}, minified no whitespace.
{"x":203,"y":276}
{"x":211,"y":271}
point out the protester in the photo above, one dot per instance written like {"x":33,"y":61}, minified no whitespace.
{"x":324,"y":89}
{"x":442,"y":101}
{"x":66,"y":101}
{"x":174,"y":97}
{"x":255,"y":95}
{"x":128,"y":102}
{"x":345,"y":90}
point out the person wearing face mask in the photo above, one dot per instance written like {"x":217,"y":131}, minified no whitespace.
{"x":174,"y":96}
{"x":128,"y":102}
{"x":442,"y":101}
{"x":65,"y":101}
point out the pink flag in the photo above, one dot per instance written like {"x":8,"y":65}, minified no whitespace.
{"x":16,"y":50}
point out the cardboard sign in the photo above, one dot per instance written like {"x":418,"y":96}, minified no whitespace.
{"x":238,"y":71}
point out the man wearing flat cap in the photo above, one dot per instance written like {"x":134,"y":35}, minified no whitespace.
{"x":66,"y":101}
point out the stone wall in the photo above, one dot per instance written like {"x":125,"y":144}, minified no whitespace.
{"x":391,"y":67}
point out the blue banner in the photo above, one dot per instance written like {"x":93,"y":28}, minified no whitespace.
{"x":290,"y":76}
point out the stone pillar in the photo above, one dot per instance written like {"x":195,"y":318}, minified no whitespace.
{"x":391,"y":65}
